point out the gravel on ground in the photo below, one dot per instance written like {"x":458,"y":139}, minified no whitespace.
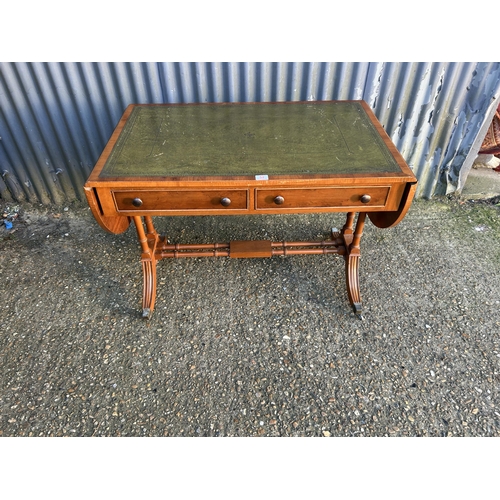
{"x":251,"y":347}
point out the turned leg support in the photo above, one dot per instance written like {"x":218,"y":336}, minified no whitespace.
{"x":352,"y":240}
{"x":155,"y":248}
{"x":148,"y":243}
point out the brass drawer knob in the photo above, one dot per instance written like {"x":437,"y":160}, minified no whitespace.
{"x":365,"y":198}
{"x":279,"y":200}
{"x":137,"y":202}
{"x":225,"y":202}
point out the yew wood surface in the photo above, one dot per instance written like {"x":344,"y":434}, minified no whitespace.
{"x":398,"y":169}
{"x":181,"y":200}
{"x":247,"y":139}
{"x":118,"y":192}
{"x":113,"y":224}
{"x":189,"y":195}
{"x":322,"y":197}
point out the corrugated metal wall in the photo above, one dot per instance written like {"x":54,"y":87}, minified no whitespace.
{"x":55,"y":118}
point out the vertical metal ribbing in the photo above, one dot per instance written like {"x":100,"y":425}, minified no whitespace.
{"x":56,"y":118}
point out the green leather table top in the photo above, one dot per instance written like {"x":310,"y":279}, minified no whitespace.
{"x":249,"y":139}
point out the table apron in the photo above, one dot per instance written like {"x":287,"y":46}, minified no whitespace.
{"x":240,"y":201}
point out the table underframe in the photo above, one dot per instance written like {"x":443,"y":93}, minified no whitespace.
{"x":155,"y":247}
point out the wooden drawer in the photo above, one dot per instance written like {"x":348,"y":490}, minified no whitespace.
{"x":164,"y":200}
{"x":358,"y":197}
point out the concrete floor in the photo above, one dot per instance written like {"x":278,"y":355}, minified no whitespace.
{"x":482,"y":183}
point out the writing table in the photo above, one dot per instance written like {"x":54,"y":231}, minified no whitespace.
{"x":249,"y":158}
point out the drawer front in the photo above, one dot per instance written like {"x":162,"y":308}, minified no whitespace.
{"x":165,"y":200}
{"x":359,"y":197}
